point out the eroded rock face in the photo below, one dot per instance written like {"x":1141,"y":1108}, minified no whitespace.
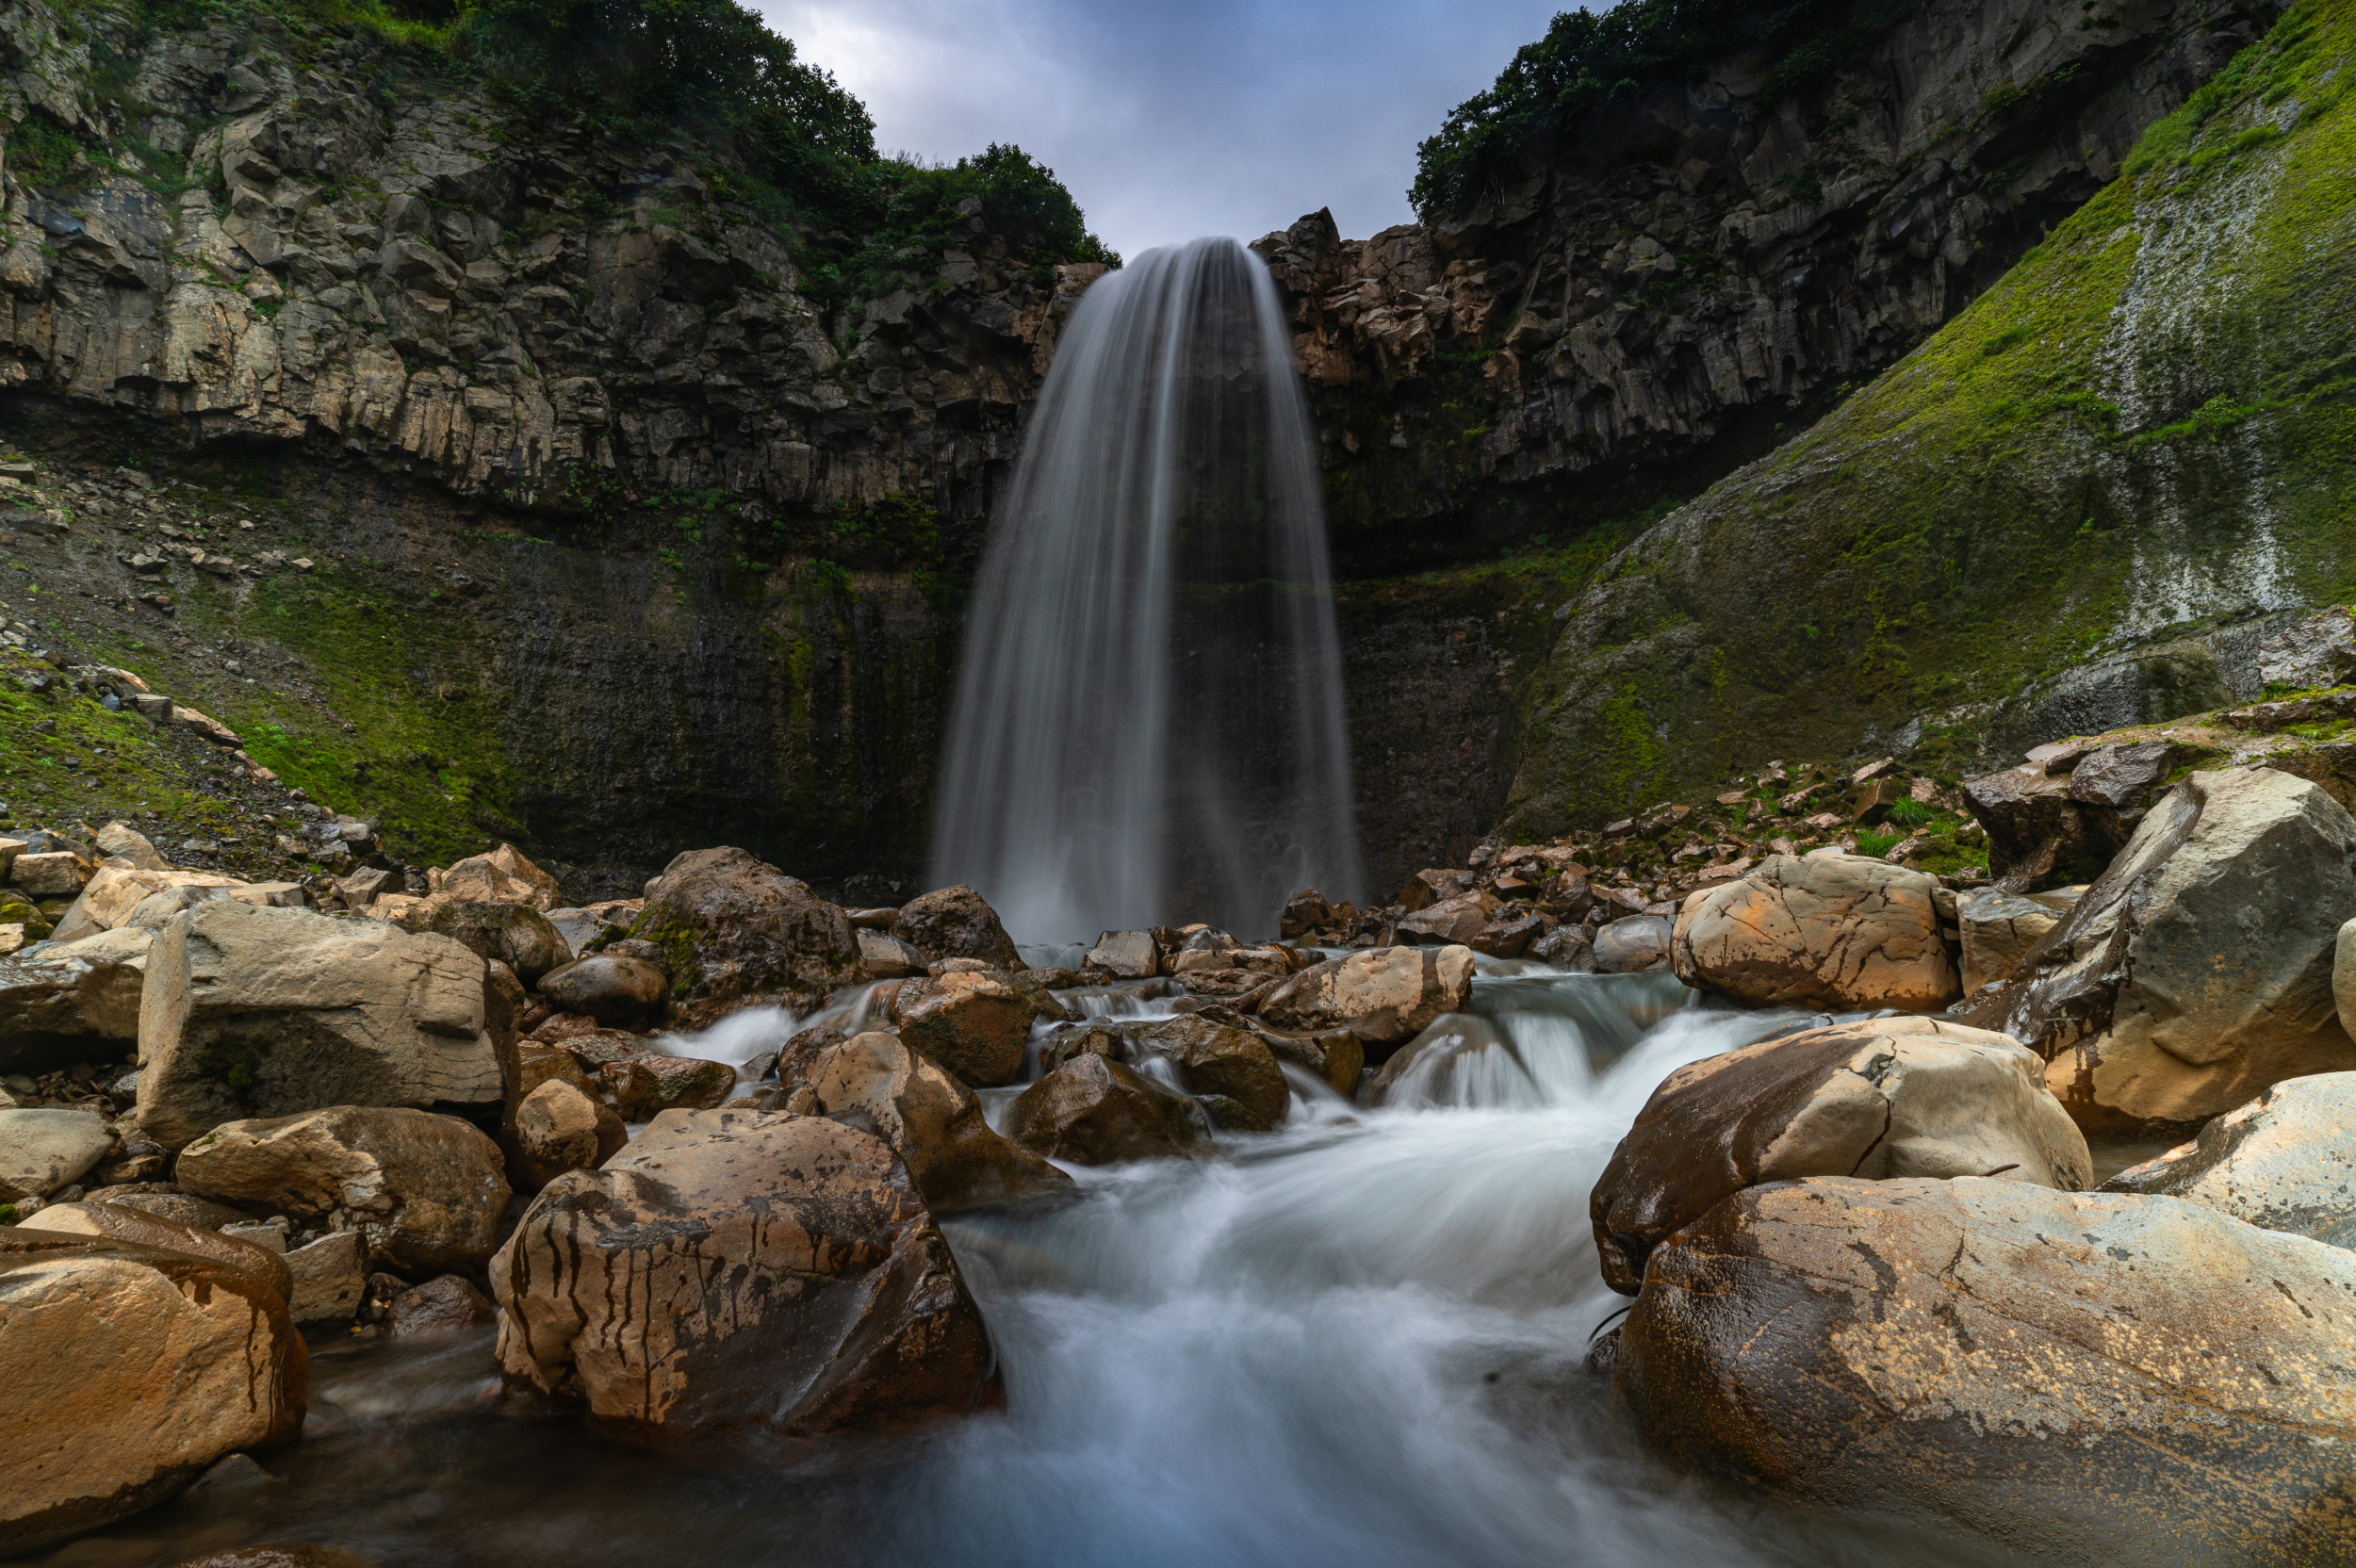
{"x":740,"y":933}
{"x":1838,"y":932}
{"x":253,"y":1011}
{"x":425,"y":1191}
{"x":131,"y":1369}
{"x":2286,"y":1161}
{"x":2114,"y":1378}
{"x":1091,"y":1110}
{"x":738,"y":1271}
{"x":876,"y":1083}
{"x":956,"y":923}
{"x":1998,"y":929}
{"x":2198,"y":969}
{"x":1385,"y":996}
{"x":1889,"y":1099}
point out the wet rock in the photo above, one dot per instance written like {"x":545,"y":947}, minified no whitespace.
{"x":1385,"y":996}
{"x":975,"y":1025}
{"x":1449,"y":920}
{"x":1887,"y":1099}
{"x":1214,"y":1059}
{"x":502,"y":876}
{"x":121,"y":1222}
{"x":1430,"y":887}
{"x":2124,"y":778}
{"x":44,"y":1148}
{"x":885,"y":956}
{"x":595,"y":1048}
{"x":137,"y":1368}
{"x":1998,"y":929}
{"x":876,"y":1082}
{"x":560,"y":1127}
{"x":1091,"y":1110}
{"x":424,"y":1191}
{"x":739,"y":933}
{"x":2285,"y":1162}
{"x":1335,"y":1055}
{"x":439,"y":1307}
{"x":741,"y":1271}
{"x":619,"y":992}
{"x":252,"y":1011}
{"x":517,"y":935}
{"x":1566,"y":947}
{"x":71,"y":1003}
{"x":537,"y":1064}
{"x":1837,"y":932}
{"x":1508,"y":936}
{"x":1633,"y":944}
{"x":2198,"y":969}
{"x":1124,"y":955}
{"x":329,"y":1277}
{"x":644,"y":1086}
{"x":2116,"y":1379}
{"x":956,"y":923}
{"x":1082,"y":1039}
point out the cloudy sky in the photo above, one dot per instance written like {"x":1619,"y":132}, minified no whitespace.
{"x":1170,"y":118}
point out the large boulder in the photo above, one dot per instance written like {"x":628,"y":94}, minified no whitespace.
{"x":48,"y":1147}
{"x":645,"y":1086}
{"x":2198,"y":969}
{"x":876,"y":1083}
{"x":1893,"y":1098}
{"x":1386,"y":995}
{"x":71,"y":1003}
{"x":425,"y":1191}
{"x":2101,"y":1378}
{"x":741,"y":1271}
{"x":974,"y":1024}
{"x":1223,"y":1063}
{"x":1091,"y":1110}
{"x":517,"y":935}
{"x":329,"y":1278}
{"x":737,"y":932}
{"x":956,"y":923}
{"x":502,"y":876}
{"x":1837,"y":932}
{"x":1450,"y":921}
{"x":2286,"y":1161}
{"x":121,"y":1222}
{"x":1997,"y":930}
{"x":616,"y":990}
{"x":130,"y":1370}
{"x":254,"y":1011}
{"x":1124,"y":955}
{"x":1634,"y":944}
{"x":117,"y":896}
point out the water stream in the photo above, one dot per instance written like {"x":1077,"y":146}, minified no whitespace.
{"x":1357,"y":1340}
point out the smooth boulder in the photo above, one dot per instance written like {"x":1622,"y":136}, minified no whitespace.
{"x":1124,"y":955}
{"x":1091,"y":1110}
{"x":1634,"y":944}
{"x":974,"y":1024}
{"x":1213,"y":1059}
{"x":252,"y":1011}
{"x":1837,"y":932}
{"x":1384,"y":996}
{"x":561,"y":1127}
{"x":736,"y":932}
{"x":741,"y":1271}
{"x":121,"y":1222}
{"x":644,"y":1086}
{"x":2285,"y":1162}
{"x":956,"y":923}
{"x":876,"y":1083}
{"x":618,"y":991}
{"x":425,"y":1191}
{"x":45,"y":1148}
{"x":517,"y":935}
{"x":1889,"y":1099}
{"x":130,"y":1370}
{"x":2113,"y":1379}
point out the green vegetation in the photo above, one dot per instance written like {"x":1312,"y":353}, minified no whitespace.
{"x":1586,"y":60}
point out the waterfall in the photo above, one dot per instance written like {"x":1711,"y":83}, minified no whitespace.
{"x":1149,"y":723}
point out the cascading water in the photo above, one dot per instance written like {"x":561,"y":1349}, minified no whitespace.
{"x":1149,"y":721}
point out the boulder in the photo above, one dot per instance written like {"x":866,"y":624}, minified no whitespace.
{"x":2034,"y":828}
{"x":1386,"y":995}
{"x":502,"y":876}
{"x":1634,"y":944}
{"x":1124,"y":955}
{"x":1335,"y":1055}
{"x":166,"y":1199}
{"x":737,"y":932}
{"x":1213,"y":1059}
{"x":258,"y":1011}
{"x":1091,"y":1110}
{"x":1508,"y":936}
{"x":441,"y":1306}
{"x":974,"y":1024}
{"x":121,"y":1222}
{"x":741,"y":1271}
{"x":117,"y":896}
{"x":517,"y":935}
{"x":1430,"y":886}
{"x":1305,"y":913}
{"x":1082,"y":1039}
{"x":1566,"y":947}
{"x":561,"y":1127}
{"x":644,"y":1086}
{"x":1838,"y":932}
{"x":46,"y":1148}
{"x":1449,"y":920}
{"x":122,"y":842}
{"x":130,"y":1370}
{"x":933,"y":1122}
{"x":1887,"y":1099}
{"x":2286,"y":1161}
{"x":2198,"y":969}
{"x":71,"y":1003}
{"x":537,"y":1064}
{"x":425,"y":1192}
{"x":620,"y":992}
{"x":956,"y":923}
{"x":57,"y":874}
{"x":2105,"y":1378}
{"x":329,"y":1277}
{"x":1998,"y":929}
{"x":885,"y":956}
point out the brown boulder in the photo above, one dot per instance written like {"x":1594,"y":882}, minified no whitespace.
{"x":974,"y":1024}
{"x":1093,"y":1111}
{"x":956,"y":923}
{"x":1837,"y":932}
{"x":875,"y":1082}
{"x":1214,"y":1059}
{"x":440,"y":1307}
{"x":1384,"y":996}
{"x":1456,"y":919}
{"x":737,"y":932}
{"x":644,"y":1086}
{"x":517,"y":935}
{"x":140,"y":1228}
{"x":561,"y":1128}
{"x":1633,"y":944}
{"x":618,"y":992}
{"x":742,"y":1271}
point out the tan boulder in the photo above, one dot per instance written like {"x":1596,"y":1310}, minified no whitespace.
{"x":737,"y":932}
{"x":1385,"y":995}
{"x":1091,"y":1110}
{"x":645,"y":1086}
{"x":130,"y":1370}
{"x":329,"y":1280}
{"x":425,"y":1191}
{"x":47,"y":1147}
{"x":1456,"y":919}
{"x":1124,"y":955}
{"x":71,"y":1002}
{"x":618,"y":991}
{"x":1998,"y":929}
{"x":560,"y":1128}
{"x":502,"y":876}
{"x":2283,"y":1162}
{"x":52,"y":874}
{"x":1838,"y":932}
{"x":932,"y":1121}
{"x":885,"y":956}
{"x":741,"y":1271}
{"x":258,"y":1011}
{"x":1886,"y":1098}
{"x":974,"y":1024}
{"x":1213,"y":1059}
{"x":2113,"y":1379}
{"x":120,"y":840}
{"x":115,"y":895}
{"x":120,"y":1222}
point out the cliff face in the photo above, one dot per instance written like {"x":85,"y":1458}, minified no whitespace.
{"x":1699,"y":266}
